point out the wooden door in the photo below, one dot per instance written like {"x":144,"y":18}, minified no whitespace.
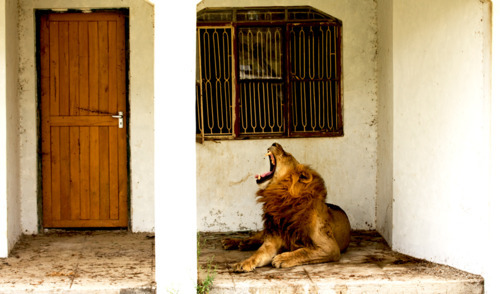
{"x":84,"y":151}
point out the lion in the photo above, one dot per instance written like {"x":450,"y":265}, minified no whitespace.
{"x":299,"y":226}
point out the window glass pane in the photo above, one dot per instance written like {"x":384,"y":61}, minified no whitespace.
{"x":260,"y":15}
{"x":215,"y":15}
{"x":304,"y":14}
{"x":260,"y":53}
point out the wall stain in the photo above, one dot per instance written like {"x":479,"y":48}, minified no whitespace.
{"x":245,"y":178}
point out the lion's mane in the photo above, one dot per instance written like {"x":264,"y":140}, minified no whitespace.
{"x":289,"y":204}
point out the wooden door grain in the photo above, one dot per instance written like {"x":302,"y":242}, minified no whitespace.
{"x":84,"y":152}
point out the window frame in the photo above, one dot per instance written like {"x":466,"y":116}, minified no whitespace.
{"x":285,"y":25}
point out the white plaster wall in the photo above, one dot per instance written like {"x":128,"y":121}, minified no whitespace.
{"x":225,"y":169}
{"x":492,"y":271}
{"x":9,"y":155}
{"x":385,"y":120}
{"x":441,"y":130}
{"x":141,"y":140}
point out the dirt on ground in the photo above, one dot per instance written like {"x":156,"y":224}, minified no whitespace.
{"x":78,"y":261}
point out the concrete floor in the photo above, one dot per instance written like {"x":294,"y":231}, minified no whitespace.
{"x":368,"y":266}
{"x":80,"y":262}
{"x":122,"y":262}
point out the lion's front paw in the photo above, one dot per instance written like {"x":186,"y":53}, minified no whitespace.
{"x":230,"y":243}
{"x":243,"y":267}
{"x":284,"y":260}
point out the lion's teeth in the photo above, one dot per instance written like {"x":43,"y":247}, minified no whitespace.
{"x":268,"y":153}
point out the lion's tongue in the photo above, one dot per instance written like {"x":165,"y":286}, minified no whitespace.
{"x":263,"y":175}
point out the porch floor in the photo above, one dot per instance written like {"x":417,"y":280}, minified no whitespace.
{"x":80,"y":262}
{"x":368,"y":266}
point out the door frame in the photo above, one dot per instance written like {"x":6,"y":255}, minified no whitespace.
{"x":38,"y":14}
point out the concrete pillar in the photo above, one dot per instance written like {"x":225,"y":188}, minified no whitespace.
{"x":3,"y":138}
{"x":175,"y":168}
{"x":10,"y":229}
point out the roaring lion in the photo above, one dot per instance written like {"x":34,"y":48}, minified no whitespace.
{"x":299,"y":227}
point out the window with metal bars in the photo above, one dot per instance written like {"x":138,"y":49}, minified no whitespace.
{"x":268,"y":72}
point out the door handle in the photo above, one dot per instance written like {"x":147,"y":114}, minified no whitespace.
{"x":119,"y":116}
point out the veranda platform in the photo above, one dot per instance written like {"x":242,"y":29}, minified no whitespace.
{"x":368,"y":266}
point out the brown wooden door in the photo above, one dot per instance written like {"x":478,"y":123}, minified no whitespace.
{"x":84,"y":152}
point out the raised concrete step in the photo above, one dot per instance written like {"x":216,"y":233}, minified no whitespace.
{"x":84,"y":262}
{"x":368,"y":266}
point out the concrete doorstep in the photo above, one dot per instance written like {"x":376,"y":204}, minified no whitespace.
{"x":80,"y":262}
{"x":368,"y":266}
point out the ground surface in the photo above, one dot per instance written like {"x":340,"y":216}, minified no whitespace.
{"x":80,"y":262}
{"x":122,"y":262}
{"x":368,"y":266}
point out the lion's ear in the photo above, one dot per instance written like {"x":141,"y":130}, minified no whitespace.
{"x":299,"y":181}
{"x":305,"y":175}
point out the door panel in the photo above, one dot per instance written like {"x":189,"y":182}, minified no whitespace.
{"x":84,"y":153}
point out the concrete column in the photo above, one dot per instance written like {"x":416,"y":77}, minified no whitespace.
{"x":10,"y":229}
{"x":175,"y":168}
{"x":3,"y":138}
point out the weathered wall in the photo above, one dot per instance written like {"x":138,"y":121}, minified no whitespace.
{"x":492,"y":283}
{"x":385,"y":161}
{"x":225,"y":183}
{"x":9,"y":117}
{"x":141,"y":102}
{"x":441,"y":130}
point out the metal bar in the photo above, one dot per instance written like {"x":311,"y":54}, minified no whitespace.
{"x":199,"y":95}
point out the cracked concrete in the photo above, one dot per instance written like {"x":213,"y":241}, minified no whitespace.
{"x":80,"y":262}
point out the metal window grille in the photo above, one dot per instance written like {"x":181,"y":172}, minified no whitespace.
{"x":314,"y":78}
{"x":261,"y":80}
{"x":214,"y":84}
{"x":278,"y":77}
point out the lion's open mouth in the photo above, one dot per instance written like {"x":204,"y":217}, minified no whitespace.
{"x":268,"y":175}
